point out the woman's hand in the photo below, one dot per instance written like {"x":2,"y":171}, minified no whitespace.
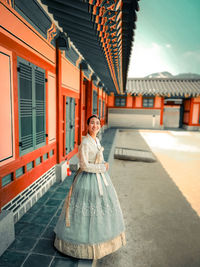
{"x":107,"y":165}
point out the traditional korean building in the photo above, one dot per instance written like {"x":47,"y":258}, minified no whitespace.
{"x":157,"y":103}
{"x":59,"y":62}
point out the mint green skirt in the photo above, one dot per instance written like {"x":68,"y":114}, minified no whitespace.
{"x":96,"y":225}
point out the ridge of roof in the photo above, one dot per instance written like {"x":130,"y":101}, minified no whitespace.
{"x":164,"y":79}
{"x":164,"y":86}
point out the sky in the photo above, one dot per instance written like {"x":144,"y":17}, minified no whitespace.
{"x":167,"y":38}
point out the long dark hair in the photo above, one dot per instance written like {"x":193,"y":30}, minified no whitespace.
{"x":93,"y":116}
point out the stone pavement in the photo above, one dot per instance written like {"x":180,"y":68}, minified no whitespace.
{"x":162,"y":228}
{"x":34,"y":234}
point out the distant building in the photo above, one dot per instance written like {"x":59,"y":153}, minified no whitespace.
{"x":157,"y":103}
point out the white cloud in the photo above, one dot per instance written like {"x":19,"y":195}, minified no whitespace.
{"x":168,"y":45}
{"x":148,"y":59}
{"x":156,"y":46}
{"x":194,"y":55}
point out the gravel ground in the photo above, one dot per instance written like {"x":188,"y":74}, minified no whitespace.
{"x":162,"y":229}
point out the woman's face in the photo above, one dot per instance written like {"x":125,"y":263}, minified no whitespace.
{"x":94,"y":126}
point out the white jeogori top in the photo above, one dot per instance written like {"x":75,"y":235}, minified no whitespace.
{"x":91,"y":155}
{"x":91,"y":160}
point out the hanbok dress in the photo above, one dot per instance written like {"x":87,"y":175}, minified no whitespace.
{"x":91,"y":223}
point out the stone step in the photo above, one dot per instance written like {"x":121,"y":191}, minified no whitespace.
{"x":133,"y":154}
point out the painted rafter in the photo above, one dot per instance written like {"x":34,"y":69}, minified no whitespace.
{"x":103,"y":32}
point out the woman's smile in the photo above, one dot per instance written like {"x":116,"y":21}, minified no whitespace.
{"x":94,"y":126}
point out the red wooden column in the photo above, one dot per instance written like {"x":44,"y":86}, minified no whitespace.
{"x":80,"y":108}
{"x":191,"y":111}
{"x":111,"y":100}
{"x":103,"y":99}
{"x":77,"y":123}
{"x":134,"y":100}
{"x":106,"y":108}
{"x":89,"y":99}
{"x":16,"y":112}
{"x":59,"y":107}
{"x":84,"y":107}
{"x":161,"y":111}
{"x":129,"y":101}
{"x":98,"y":101}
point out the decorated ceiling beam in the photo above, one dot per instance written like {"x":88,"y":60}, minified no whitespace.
{"x":102,"y":30}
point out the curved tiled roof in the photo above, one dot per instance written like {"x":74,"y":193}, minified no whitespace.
{"x":102,"y":31}
{"x":164,"y":87}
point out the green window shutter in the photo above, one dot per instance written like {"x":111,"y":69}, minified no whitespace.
{"x":117,"y":101}
{"x":31,"y":84}
{"x":94,"y":110}
{"x":39,"y":113}
{"x":67,"y":136}
{"x":100,"y":108}
{"x":123,"y":102}
{"x":103,"y":109}
{"x":25,"y":106}
{"x":72,"y":123}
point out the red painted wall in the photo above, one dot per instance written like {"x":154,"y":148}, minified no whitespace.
{"x":111,"y":101}
{"x":129,"y":101}
{"x":42,"y":54}
{"x":195,"y":112}
{"x":63,"y":79}
{"x":7,"y":138}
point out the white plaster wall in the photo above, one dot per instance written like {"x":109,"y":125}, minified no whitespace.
{"x":171,"y":117}
{"x":134,"y":118}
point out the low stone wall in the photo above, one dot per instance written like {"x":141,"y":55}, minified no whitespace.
{"x":134,"y":118}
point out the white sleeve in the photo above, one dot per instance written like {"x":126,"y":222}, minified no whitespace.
{"x":85,"y":165}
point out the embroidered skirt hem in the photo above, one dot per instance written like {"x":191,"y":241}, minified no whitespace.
{"x":90,"y":251}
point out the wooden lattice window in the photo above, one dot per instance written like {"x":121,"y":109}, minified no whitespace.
{"x":120,"y":101}
{"x":148,"y":102}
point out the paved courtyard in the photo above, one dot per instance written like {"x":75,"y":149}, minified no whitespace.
{"x":159,"y":200}
{"x":162,"y":226}
{"x":179,"y":154}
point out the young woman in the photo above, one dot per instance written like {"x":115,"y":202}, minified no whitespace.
{"x":91,"y":224}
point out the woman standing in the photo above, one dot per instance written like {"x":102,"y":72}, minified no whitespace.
{"x":91,"y":223}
